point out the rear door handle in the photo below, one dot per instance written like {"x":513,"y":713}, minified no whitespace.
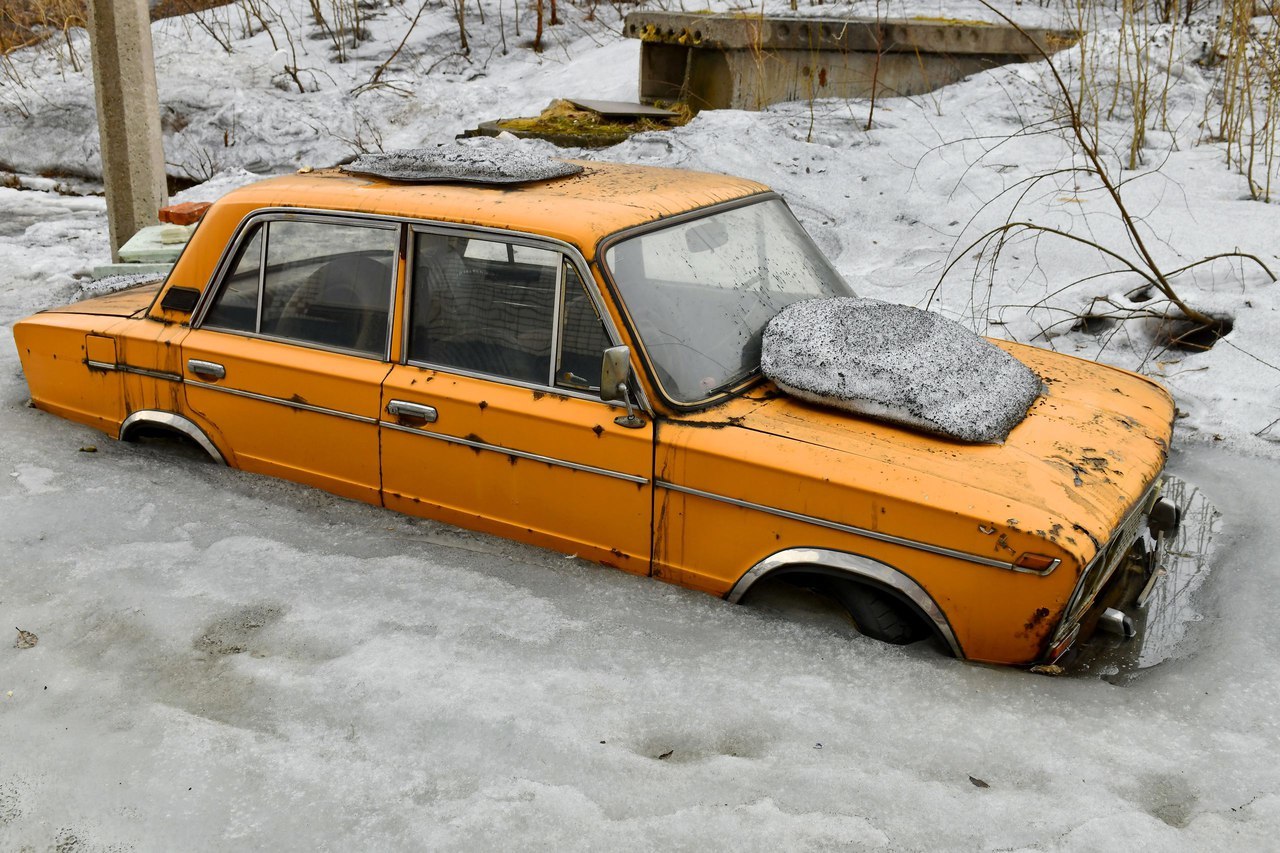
{"x":412,"y":410}
{"x":206,"y":368}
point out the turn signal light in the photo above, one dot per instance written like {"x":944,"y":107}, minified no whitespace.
{"x":1035,"y":562}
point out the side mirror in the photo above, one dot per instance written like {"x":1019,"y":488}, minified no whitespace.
{"x":615,"y":371}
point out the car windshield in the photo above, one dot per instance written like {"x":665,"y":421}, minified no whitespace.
{"x":700,"y":292}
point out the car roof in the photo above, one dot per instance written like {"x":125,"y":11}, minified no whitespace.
{"x":581,"y":209}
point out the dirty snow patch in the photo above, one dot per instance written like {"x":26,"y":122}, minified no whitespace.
{"x":898,"y":364}
{"x":116,"y":283}
{"x":482,"y":161}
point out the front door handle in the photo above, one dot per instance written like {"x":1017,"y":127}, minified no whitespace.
{"x":412,"y":410}
{"x":211,"y":369}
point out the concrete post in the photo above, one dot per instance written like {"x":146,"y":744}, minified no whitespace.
{"x":124,"y":83}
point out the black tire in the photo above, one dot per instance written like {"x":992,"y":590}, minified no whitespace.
{"x":879,"y":615}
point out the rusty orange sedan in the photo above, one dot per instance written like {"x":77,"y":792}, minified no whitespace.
{"x":559,"y":361}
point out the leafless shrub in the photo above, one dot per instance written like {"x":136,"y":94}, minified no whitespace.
{"x":1249,"y":49}
{"x":1141,"y":262}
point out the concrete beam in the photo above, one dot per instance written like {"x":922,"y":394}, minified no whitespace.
{"x":124,"y":83}
{"x":730,"y":31}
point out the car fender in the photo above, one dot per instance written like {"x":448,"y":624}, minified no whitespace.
{"x":174,"y":422}
{"x":852,"y":567}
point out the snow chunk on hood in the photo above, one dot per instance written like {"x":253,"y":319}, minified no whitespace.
{"x":480,"y":161}
{"x":900,"y":365}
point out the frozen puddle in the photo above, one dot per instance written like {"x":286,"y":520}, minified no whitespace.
{"x":36,"y":480}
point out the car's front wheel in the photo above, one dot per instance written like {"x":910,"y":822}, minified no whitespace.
{"x":878,"y":614}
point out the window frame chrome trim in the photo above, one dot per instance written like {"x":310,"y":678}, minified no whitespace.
{"x":291,"y":404}
{"x":290,"y":214}
{"x":843,"y":528}
{"x":262,"y":278}
{"x":570,"y":251}
{"x":522,"y":454}
{"x":841,"y":563}
{"x":606,"y":243}
{"x":569,"y":254}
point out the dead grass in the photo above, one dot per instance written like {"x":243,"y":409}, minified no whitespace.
{"x":563,"y":117}
{"x":28,"y":22}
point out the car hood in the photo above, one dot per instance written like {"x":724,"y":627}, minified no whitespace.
{"x":1070,"y":471}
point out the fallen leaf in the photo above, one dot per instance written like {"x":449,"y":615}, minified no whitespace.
{"x":1047,"y":669}
{"x":25,"y":640}
{"x":88,"y":448}
{"x":666,"y":755}
{"x":978,"y":783}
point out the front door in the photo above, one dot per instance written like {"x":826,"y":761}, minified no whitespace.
{"x":285,"y":367}
{"x":494,"y":419}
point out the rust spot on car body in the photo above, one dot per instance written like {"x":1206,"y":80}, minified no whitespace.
{"x":1037,"y":618}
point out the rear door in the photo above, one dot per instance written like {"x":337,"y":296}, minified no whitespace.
{"x":285,"y":365}
{"x":493,"y":419}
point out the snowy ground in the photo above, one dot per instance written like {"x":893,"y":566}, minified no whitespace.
{"x":231,"y":662}
{"x":227,"y":662}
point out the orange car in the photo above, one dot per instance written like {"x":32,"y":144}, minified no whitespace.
{"x":556,"y":362}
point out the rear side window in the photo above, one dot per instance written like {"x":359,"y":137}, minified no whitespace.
{"x":313,"y":282}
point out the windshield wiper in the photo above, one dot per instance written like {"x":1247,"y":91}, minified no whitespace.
{"x":725,"y":386}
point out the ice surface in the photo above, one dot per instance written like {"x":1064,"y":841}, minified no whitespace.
{"x":898,"y":364}
{"x":483,"y":160}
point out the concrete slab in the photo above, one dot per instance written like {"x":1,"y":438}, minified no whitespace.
{"x":748,"y":62}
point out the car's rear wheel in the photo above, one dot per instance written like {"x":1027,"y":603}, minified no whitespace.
{"x":878,"y":614}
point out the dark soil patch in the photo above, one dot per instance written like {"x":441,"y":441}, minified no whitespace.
{"x":1190,"y":336}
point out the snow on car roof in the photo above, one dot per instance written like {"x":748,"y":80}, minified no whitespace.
{"x":898,"y":364}
{"x":482,"y":161}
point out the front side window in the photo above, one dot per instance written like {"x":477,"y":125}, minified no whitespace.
{"x":313,"y":282}
{"x":489,"y":306}
{"x":701,"y":292}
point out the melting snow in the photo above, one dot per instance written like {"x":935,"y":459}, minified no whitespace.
{"x":482,"y":161}
{"x":114,"y":283}
{"x":898,"y":364}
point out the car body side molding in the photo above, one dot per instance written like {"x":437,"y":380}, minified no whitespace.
{"x":854,"y":567}
{"x":177,"y":423}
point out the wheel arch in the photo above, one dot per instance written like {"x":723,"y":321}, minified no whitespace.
{"x":172,"y":423}
{"x":853,"y":567}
